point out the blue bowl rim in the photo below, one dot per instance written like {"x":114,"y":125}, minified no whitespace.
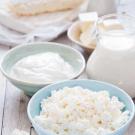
{"x":43,"y":43}
{"x":84,"y":80}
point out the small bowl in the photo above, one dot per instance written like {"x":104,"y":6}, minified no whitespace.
{"x":34,"y":104}
{"x":74,"y":35}
{"x":71,"y":55}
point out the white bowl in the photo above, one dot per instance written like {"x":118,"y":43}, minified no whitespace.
{"x":71,"y":55}
{"x":74,"y":33}
{"x":35,"y":102}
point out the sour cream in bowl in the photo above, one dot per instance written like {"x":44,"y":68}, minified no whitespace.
{"x":33,"y":66}
{"x":43,"y":67}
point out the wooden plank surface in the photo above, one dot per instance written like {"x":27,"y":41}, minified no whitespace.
{"x":2,"y":98}
{"x":131,"y":130}
{"x":14,"y":111}
{"x":3,"y":50}
{"x":13,"y":102}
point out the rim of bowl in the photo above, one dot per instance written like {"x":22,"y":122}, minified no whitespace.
{"x":69,"y":33}
{"x":43,"y":43}
{"x":84,"y":80}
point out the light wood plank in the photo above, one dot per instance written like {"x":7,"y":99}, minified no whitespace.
{"x":24,"y":123}
{"x":33,"y":132}
{"x":2,"y":98}
{"x":131,"y":130}
{"x":3,"y":50}
{"x":15,"y":115}
{"x":64,"y":40}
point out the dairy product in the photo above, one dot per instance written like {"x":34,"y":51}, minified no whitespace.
{"x":42,"y":68}
{"x":89,"y":16}
{"x":87,"y":20}
{"x":34,"y":7}
{"x":87,"y":36}
{"x":117,"y":41}
{"x":19,"y":132}
{"x":79,"y":111}
{"x":113,"y":60}
{"x":112,"y":24}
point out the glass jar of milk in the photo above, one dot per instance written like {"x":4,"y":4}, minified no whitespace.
{"x":114,"y":57}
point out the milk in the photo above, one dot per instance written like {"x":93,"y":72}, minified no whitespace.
{"x":114,"y":61}
{"x":118,"y":42}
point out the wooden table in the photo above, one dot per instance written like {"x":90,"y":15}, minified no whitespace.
{"x":13,"y":103}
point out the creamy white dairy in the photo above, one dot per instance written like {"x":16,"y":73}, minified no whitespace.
{"x":26,"y":1}
{"x":114,"y":61}
{"x":79,"y":111}
{"x":111,"y":22}
{"x":42,"y":68}
{"x":117,"y":41}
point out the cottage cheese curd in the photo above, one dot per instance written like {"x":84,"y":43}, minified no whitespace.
{"x":78,"y":111}
{"x":42,"y":68}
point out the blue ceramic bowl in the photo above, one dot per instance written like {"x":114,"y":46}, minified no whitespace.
{"x":72,"y":56}
{"x":34,"y":104}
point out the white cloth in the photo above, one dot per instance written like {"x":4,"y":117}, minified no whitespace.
{"x":16,"y":30}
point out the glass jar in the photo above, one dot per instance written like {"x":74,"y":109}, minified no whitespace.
{"x":113,"y":60}
{"x":102,"y":7}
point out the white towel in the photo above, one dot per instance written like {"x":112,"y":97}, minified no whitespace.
{"x":16,"y":30}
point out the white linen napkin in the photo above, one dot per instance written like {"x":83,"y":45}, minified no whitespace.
{"x":16,"y":30}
